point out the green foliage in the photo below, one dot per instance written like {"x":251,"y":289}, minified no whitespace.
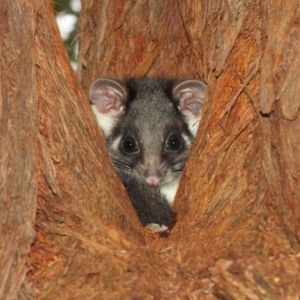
{"x":63,"y":8}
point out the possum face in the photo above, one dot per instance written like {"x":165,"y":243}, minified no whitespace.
{"x":149,"y":125}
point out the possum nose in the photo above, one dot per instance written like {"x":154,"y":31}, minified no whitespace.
{"x":152,"y":180}
{"x":153,"y":177}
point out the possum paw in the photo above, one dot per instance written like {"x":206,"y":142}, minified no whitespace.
{"x":156,"y":227}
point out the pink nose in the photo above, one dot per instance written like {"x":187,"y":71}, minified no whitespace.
{"x":152,"y":180}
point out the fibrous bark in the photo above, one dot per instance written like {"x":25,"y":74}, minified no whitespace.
{"x":18,"y":147}
{"x":237,"y":209}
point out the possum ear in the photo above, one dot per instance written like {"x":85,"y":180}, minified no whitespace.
{"x":108,"y":98}
{"x":108,"y":95}
{"x":190,"y":96}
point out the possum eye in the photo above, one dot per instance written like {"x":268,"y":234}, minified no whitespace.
{"x":129,"y":145}
{"x":174,"y":143}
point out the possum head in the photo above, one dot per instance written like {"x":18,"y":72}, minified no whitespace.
{"x":149,"y":125}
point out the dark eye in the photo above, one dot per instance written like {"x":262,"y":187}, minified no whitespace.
{"x":174,"y":143}
{"x":129,"y":145}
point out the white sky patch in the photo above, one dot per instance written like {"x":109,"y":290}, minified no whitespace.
{"x":75,"y":5}
{"x":66,"y":24}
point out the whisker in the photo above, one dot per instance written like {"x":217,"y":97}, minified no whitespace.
{"x":178,"y":166}
{"x":120,"y":164}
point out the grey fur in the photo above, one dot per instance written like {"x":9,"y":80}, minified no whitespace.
{"x":157,"y":114}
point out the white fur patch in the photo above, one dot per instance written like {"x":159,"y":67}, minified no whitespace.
{"x":156,"y":227}
{"x":187,"y":141}
{"x":105,"y":121}
{"x":192,"y":122}
{"x":169,"y":190}
{"x":115,"y":144}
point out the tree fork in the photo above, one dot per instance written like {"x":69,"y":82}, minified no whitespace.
{"x":237,"y":206}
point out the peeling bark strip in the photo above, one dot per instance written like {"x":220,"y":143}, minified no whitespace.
{"x":237,"y":208}
{"x":278,"y":98}
{"x":18,"y":143}
{"x":135,"y":38}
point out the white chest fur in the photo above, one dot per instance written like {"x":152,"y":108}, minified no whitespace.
{"x":104,"y":120}
{"x":169,"y":190}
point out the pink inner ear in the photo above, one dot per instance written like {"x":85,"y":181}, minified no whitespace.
{"x":109,"y":101}
{"x":109,"y":96}
{"x":190,"y":101}
{"x":190,"y":94}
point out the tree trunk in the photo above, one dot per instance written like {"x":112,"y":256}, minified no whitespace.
{"x":237,"y":209}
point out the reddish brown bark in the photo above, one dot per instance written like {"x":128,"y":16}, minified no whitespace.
{"x":237,"y":208}
{"x":52,"y":153}
{"x":18,"y":151}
